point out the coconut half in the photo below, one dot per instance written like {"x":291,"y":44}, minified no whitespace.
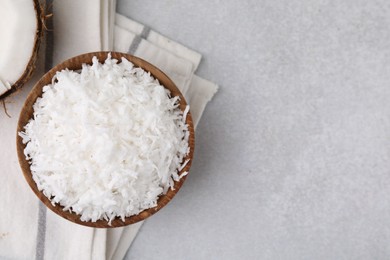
{"x":21,"y":28}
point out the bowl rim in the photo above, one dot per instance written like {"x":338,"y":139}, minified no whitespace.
{"x":75,"y":63}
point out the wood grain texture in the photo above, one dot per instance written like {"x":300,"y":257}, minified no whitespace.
{"x":30,"y":68}
{"x":75,"y":64}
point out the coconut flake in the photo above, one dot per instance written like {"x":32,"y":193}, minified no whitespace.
{"x":106,"y":141}
{"x":186,"y":110}
{"x":183,"y":174}
{"x":184,"y":165}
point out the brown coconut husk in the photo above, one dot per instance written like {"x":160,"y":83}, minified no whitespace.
{"x":40,"y":15}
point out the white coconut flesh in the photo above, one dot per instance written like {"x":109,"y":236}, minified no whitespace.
{"x":18,"y":26}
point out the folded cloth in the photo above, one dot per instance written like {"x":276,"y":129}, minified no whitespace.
{"x":27,"y":229}
{"x":179,"y":63}
{"x":177,"y":68}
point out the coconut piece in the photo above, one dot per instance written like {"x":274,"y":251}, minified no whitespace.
{"x":21,"y":28}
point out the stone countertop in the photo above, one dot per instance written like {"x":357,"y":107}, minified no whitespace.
{"x":293,"y":153}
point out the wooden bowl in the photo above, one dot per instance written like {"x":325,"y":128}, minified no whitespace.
{"x":27,"y":113}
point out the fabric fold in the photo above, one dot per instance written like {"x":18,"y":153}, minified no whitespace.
{"x":180,"y":66}
{"x":159,"y":40}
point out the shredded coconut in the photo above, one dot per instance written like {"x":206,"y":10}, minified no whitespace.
{"x":106,"y":141}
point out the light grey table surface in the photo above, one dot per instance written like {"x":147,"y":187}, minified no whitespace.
{"x":293,"y":154}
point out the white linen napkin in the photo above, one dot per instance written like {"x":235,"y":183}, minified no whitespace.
{"x":27,"y":229}
{"x":179,"y":63}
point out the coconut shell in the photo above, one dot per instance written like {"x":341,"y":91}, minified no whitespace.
{"x":34,"y":55}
